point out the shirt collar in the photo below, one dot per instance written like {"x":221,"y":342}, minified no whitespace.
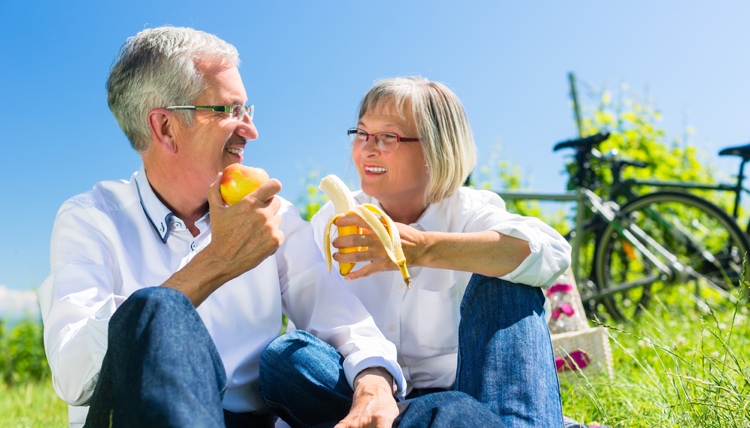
{"x":156,"y":212}
{"x":430,"y":220}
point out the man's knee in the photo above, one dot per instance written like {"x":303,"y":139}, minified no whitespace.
{"x":151,"y":301}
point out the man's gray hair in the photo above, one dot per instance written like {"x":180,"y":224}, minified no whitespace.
{"x":156,"y":68}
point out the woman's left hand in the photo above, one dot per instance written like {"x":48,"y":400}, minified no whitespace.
{"x":373,"y":404}
{"x":412,"y":242}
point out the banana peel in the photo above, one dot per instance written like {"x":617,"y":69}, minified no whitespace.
{"x":376,"y":219}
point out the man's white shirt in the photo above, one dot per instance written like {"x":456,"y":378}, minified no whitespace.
{"x":118,"y":238}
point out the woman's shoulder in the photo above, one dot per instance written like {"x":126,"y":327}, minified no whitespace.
{"x":471,"y":198}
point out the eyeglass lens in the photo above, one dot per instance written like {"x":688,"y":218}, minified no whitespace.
{"x":385,"y":142}
{"x":238,"y":111}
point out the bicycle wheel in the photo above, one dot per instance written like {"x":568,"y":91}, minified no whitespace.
{"x":668,"y":238}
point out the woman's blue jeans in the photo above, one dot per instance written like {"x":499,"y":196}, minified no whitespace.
{"x":506,"y":372}
{"x":162,"y":368}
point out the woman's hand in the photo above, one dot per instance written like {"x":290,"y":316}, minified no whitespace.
{"x":373,"y":403}
{"x":488,"y":253}
{"x":413,"y":243}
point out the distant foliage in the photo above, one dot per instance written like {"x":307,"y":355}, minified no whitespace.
{"x":22,"y":357}
{"x":635,"y":133}
{"x":498,"y":174}
{"x":313,"y":198}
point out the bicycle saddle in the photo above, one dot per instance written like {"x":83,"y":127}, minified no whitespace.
{"x":741,"y":151}
{"x":582,"y":144}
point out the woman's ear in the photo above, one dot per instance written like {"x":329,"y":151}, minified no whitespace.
{"x":162,"y":125}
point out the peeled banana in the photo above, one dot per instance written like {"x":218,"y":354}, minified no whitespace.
{"x":343,"y":203}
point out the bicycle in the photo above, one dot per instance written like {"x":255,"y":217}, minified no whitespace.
{"x":652,"y":241}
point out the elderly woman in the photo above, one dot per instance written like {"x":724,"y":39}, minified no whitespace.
{"x":473,"y":319}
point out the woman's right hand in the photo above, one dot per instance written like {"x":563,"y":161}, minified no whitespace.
{"x":373,"y":253}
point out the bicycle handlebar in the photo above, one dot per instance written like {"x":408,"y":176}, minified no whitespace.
{"x":618,"y":162}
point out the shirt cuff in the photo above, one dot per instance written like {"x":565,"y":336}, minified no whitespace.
{"x":352,"y":367}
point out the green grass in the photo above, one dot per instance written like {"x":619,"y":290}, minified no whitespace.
{"x":32,"y":404}
{"x":677,"y":367}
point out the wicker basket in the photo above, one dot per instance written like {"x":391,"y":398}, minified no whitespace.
{"x":585,"y":350}
{"x":564,"y":309}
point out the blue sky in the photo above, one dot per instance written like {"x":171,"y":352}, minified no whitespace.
{"x":306,"y":64}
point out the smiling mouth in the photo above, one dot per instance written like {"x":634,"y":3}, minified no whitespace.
{"x":235,"y":150}
{"x":376,"y":169}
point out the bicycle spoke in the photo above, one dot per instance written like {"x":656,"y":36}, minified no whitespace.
{"x":698,"y":243}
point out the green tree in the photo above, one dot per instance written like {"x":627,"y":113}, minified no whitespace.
{"x":635,"y":133}
{"x":498,"y":174}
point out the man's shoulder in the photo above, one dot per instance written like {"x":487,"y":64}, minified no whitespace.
{"x":109,"y":195}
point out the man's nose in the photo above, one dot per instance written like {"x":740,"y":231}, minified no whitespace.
{"x":246,"y":128}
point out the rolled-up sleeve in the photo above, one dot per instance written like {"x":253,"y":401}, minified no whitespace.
{"x":318,"y":301}
{"x":550,"y":252}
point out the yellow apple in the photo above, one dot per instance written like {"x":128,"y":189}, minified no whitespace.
{"x":238,"y":180}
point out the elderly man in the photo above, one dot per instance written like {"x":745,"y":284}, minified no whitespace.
{"x":161,"y":298}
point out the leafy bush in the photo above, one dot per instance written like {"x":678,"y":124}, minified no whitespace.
{"x":22,"y":356}
{"x":635,"y":134}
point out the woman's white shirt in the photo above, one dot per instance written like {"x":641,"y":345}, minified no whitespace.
{"x":423,"y":322}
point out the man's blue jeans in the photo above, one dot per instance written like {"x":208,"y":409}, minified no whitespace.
{"x":506,"y":373}
{"x":161,"y":368}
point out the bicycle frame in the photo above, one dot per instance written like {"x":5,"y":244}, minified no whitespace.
{"x":737,"y":189}
{"x":608,"y":210}
{"x":612,"y":222}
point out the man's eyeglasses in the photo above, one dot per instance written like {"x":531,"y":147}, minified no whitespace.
{"x":385,"y":141}
{"x":236,"y":111}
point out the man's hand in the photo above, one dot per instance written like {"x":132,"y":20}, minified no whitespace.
{"x":246,"y":233}
{"x":413,"y":243}
{"x":242,"y":236}
{"x":373,"y":404}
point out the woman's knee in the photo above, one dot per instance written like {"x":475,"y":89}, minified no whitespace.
{"x":501,"y":295}
{"x":287,"y":345}
{"x":284,"y":355}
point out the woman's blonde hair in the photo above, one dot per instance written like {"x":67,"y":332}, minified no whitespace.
{"x":442,"y":128}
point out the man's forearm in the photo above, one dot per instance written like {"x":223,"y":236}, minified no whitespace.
{"x":199,"y":278}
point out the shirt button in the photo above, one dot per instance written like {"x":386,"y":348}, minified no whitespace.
{"x":178,"y":224}
{"x":391,"y":328}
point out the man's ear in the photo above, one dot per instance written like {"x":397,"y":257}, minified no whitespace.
{"x":162,"y":125}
